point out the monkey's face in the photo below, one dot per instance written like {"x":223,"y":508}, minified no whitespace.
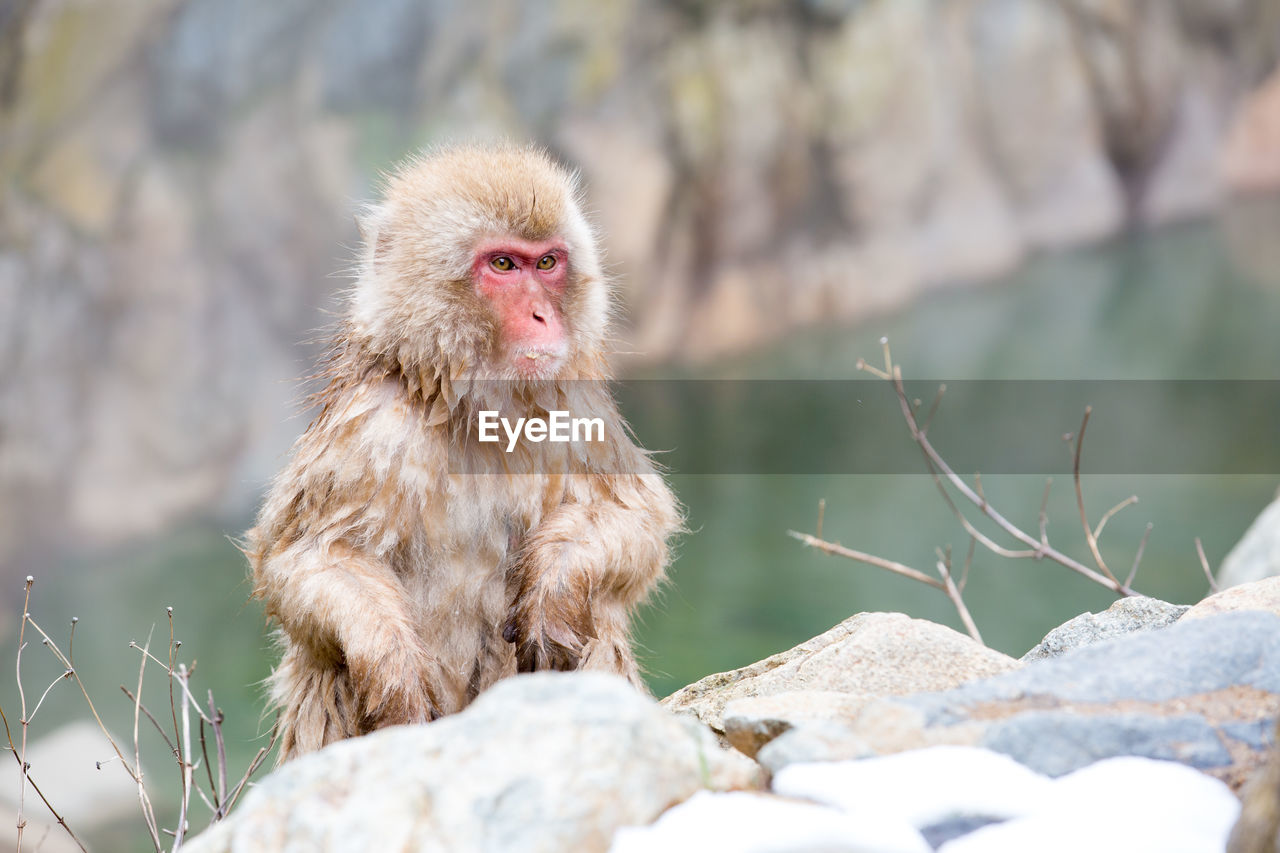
{"x":524,"y":282}
{"x":479,"y":264}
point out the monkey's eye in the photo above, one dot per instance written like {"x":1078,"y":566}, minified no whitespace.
{"x":546,"y":262}
{"x":503,"y":264}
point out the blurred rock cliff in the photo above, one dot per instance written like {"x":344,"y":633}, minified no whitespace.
{"x":179,"y":179}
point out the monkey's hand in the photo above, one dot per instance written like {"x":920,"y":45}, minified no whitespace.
{"x":393,"y":684}
{"x":549,"y":620}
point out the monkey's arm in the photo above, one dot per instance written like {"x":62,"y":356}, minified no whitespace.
{"x":584,"y":566}
{"x":348,"y":610}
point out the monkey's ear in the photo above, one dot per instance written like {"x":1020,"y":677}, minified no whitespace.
{"x":377,"y":244}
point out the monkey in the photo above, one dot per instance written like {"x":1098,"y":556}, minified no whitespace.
{"x":405,"y":563}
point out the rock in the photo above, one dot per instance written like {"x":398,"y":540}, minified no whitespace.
{"x":1258,"y":828}
{"x":906,"y":163}
{"x":1036,"y":111}
{"x":1201,"y":692}
{"x":1260,"y":595}
{"x":756,"y":823}
{"x":752,"y":722}
{"x":1186,"y":180}
{"x":1132,"y":804}
{"x":1257,"y":554}
{"x":1127,"y":615}
{"x":543,"y":762}
{"x":868,"y":654}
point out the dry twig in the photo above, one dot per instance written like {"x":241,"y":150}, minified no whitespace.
{"x":1037,"y":547}
{"x":182,"y":705}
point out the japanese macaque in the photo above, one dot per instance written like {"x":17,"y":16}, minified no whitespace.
{"x":408,"y":563}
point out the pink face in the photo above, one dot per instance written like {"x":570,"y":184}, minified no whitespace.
{"x":524,"y":282}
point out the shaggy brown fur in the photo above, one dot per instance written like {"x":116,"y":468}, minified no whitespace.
{"x":408,"y":565}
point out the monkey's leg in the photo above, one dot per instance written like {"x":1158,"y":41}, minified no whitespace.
{"x":580,"y":573}
{"x":347,"y":613}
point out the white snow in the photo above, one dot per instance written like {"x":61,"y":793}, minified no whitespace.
{"x":741,"y":822}
{"x":923,"y":786}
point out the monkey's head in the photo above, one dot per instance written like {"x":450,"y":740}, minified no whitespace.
{"x":480,"y":264}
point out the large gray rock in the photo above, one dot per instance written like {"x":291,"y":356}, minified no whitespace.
{"x":547,"y":762}
{"x":1201,"y":692}
{"x":1127,"y":615}
{"x":867,"y":655}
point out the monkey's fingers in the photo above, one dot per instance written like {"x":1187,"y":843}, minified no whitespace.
{"x":543,"y":644}
{"x":547,"y":655}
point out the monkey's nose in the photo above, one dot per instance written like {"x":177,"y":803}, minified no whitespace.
{"x":537,"y":315}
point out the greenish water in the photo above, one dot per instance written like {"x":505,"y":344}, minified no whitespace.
{"x":1194,"y":301}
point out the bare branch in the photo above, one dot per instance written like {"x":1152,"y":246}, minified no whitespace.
{"x":1137,"y":558}
{"x":863,"y":557}
{"x":874,"y":371}
{"x":953,"y":593}
{"x":180,"y":831}
{"x":1084,"y":517}
{"x":1106,"y":516}
{"x":159,"y":728}
{"x":253,"y":767}
{"x":933,"y":408}
{"x":148,"y":814}
{"x":22,"y":705}
{"x":940,"y":470}
{"x":1044,"y":513}
{"x":52,"y":684}
{"x":1204,"y":564}
{"x":968,"y":562}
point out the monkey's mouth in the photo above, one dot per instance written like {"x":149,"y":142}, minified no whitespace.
{"x":538,"y":361}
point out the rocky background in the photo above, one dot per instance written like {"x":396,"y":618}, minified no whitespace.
{"x":179,"y":178}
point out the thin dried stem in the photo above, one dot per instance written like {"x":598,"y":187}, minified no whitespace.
{"x":181,"y":831}
{"x":1204,"y":565}
{"x":52,"y":685}
{"x":148,"y":814}
{"x":1044,"y":513}
{"x":957,"y":599}
{"x":182,"y":756}
{"x":940,"y":470}
{"x":173,"y":750}
{"x":968,"y":562}
{"x":822,"y":511}
{"x":863,"y":557}
{"x":216,"y":715}
{"x":1137,"y":558}
{"x":22,"y":706}
{"x":161,"y":663}
{"x":933,"y":409}
{"x":253,"y":767}
{"x":1106,"y":516}
{"x":1084,"y":516}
